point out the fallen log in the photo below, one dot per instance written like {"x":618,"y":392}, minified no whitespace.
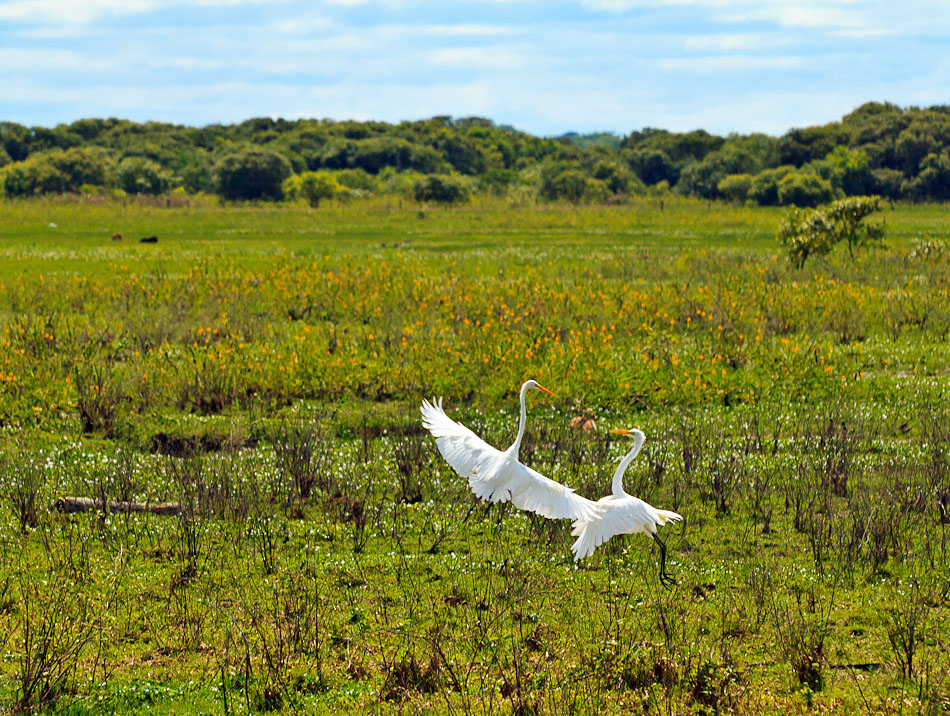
{"x":70,"y":505}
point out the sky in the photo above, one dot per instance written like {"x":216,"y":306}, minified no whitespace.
{"x":544,"y":66}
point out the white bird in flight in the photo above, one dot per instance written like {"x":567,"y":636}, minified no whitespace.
{"x":623,"y":514}
{"x":498,"y":476}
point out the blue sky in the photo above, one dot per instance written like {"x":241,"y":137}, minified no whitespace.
{"x":544,"y":66}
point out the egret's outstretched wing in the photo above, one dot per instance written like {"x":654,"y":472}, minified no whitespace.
{"x":530,"y":490}
{"x":495,"y":477}
{"x":467,"y":453}
{"x":627,"y":516}
{"x":593,"y":533}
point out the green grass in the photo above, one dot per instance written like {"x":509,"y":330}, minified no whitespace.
{"x":263,"y":365}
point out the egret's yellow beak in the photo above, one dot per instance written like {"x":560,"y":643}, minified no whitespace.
{"x":541,"y":387}
{"x":618,"y":431}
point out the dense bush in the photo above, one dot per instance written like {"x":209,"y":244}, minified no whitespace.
{"x":764,"y":189}
{"x":804,"y":189}
{"x":735,"y":187}
{"x":55,"y":171}
{"x":357,"y":180}
{"x":563,"y":180}
{"x":702,"y":178}
{"x":617,"y":178}
{"x":933,"y":180}
{"x":497,"y":181}
{"x":442,"y":188}
{"x":136,"y":175}
{"x":373,"y":155}
{"x":252,"y":174}
{"x":652,"y":165}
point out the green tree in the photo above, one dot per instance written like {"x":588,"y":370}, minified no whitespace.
{"x":462,"y":152}
{"x":14,"y":141}
{"x":800,"y":146}
{"x":887,"y":182}
{"x":597,"y":191}
{"x":337,"y":154}
{"x":702,"y":178}
{"x":568,"y":183}
{"x":847,"y":170}
{"x":735,"y":187}
{"x":137,"y":175}
{"x":314,"y":186}
{"x":198,"y":176}
{"x":252,"y":174}
{"x":56,"y":171}
{"x":357,"y":180}
{"x":442,"y":188}
{"x":764,"y":189}
{"x":914,"y":144}
{"x":377,"y":153}
{"x":847,"y":217}
{"x":652,"y":165}
{"x":615,"y":176}
{"x":814,"y":232}
{"x":934,"y":178}
{"x":804,"y":189}
{"x":680,"y":147}
{"x":497,"y":181}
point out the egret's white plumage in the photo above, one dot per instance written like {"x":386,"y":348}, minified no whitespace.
{"x":622,"y":513}
{"x":498,"y":476}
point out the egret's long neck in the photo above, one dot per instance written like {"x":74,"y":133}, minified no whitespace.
{"x":617,"y":486}
{"x":516,"y":445}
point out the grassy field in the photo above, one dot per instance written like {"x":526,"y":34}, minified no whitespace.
{"x":263,"y":366}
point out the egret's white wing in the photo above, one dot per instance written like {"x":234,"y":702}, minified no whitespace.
{"x":495,"y":476}
{"x":593,"y":533}
{"x":626,"y":516}
{"x":467,"y":453}
{"x":530,"y":490}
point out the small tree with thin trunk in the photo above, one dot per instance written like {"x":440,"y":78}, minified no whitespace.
{"x":807,"y":232}
{"x":315,"y":186}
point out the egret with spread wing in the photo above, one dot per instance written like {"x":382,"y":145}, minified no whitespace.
{"x":623,"y":514}
{"x":498,"y":476}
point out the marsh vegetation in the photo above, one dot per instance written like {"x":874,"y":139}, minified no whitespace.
{"x":262,"y":367}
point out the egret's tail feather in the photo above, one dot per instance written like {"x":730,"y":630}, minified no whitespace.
{"x":586,"y":542}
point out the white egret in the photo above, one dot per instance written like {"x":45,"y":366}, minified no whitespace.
{"x":623,"y":514}
{"x":498,"y":476}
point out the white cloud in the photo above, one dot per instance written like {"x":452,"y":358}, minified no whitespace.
{"x":31,"y":60}
{"x":731,"y":63}
{"x":786,"y":13}
{"x":733,"y":42}
{"x":303,"y":26}
{"x":477,"y":57}
{"x":79,"y":12}
{"x":187,"y":64}
{"x":477,"y":30}
{"x":814,"y":15}
{"x":65,"y":12}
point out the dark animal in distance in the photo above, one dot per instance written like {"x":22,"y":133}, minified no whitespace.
{"x":117,"y":236}
{"x":149,"y":240}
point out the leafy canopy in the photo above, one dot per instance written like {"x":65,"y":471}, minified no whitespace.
{"x":807,"y":232}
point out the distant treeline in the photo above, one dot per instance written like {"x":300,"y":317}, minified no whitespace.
{"x":897,"y":153}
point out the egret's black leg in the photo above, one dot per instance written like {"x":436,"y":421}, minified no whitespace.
{"x":665,"y":579}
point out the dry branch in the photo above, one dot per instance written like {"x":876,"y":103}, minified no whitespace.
{"x":86,"y":504}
